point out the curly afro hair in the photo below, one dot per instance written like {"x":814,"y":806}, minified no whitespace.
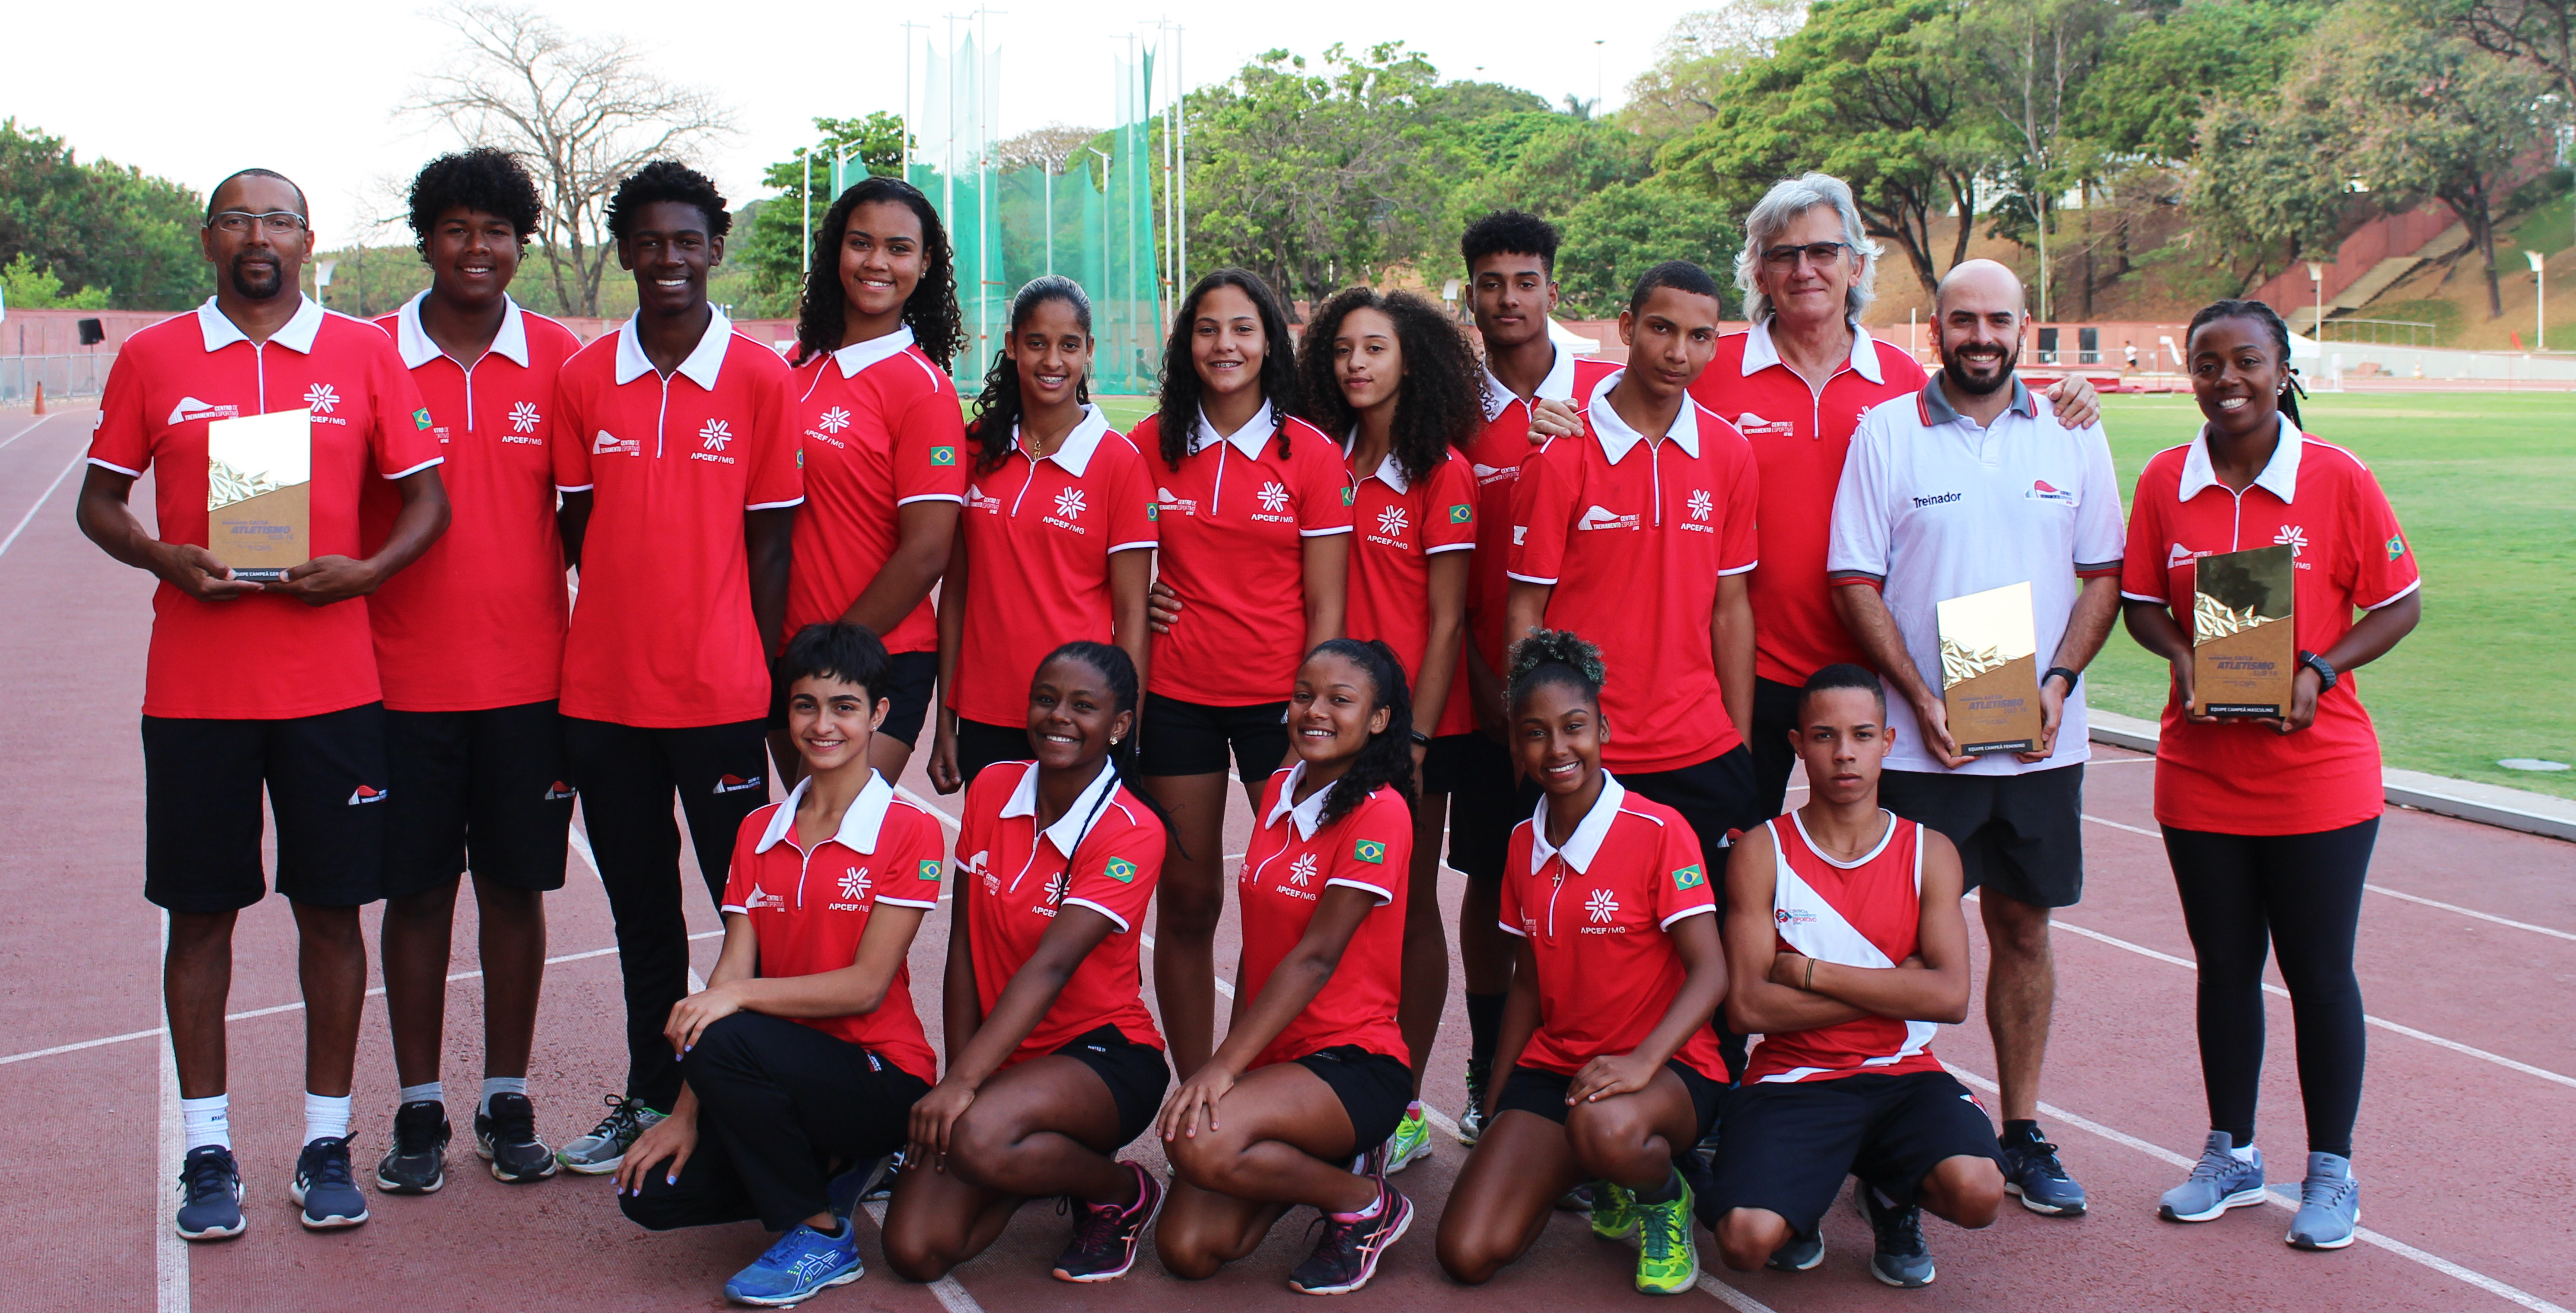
{"x":1509,"y":232}
{"x":1438,"y":403}
{"x":667,"y":180}
{"x":1556,"y":656}
{"x":483,"y":180}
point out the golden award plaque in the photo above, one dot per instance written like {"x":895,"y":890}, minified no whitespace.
{"x":259,"y":477}
{"x":2244,"y":648}
{"x":1990,"y":671}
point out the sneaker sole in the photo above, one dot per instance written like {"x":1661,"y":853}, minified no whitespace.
{"x":483,"y":1150}
{"x":1688,"y":1283}
{"x":601,"y":1168}
{"x":1809,"y":1266}
{"x":1157,"y":1211}
{"x":1368,"y":1270}
{"x":2327,"y":1246}
{"x":1421,"y":1149}
{"x":790,"y":1301}
{"x":2240,"y":1199}
{"x":328,"y":1221}
{"x":1901,"y":1284}
{"x":212,"y":1232}
{"x":2044,"y":1210}
{"x":395,"y":1185}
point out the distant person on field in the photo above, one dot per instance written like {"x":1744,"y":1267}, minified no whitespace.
{"x":253,"y":687}
{"x":2269,"y":823}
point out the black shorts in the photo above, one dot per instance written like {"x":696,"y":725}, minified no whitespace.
{"x":481,"y":789}
{"x":1775,"y":717}
{"x":327,"y":785}
{"x":1191,"y":738}
{"x":1786,"y":1147}
{"x":1543,"y":1092}
{"x":980,"y":745}
{"x":909,"y":689}
{"x":1374,"y":1089}
{"x":2019,"y":835}
{"x":1136,"y":1075}
{"x":1714,"y":797}
{"x":1484,"y":803}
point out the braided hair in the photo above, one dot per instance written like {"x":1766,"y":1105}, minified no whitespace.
{"x":998,"y":411}
{"x":2270,"y":319}
{"x":1437,"y":405}
{"x":1556,"y":656}
{"x":1112,"y":664}
{"x":1178,"y":411}
{"x":931,"y":311}
{"x":1387,"y":759}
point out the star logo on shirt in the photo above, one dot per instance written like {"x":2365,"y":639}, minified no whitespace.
{"x":1274,"y":497}
{"x":1391,"y":521}
{"x":715,"y":434}
{"x":1602,"y":906}
{"x":854,"y":884}
{"x":321,"y":397}
{"x":2294,"y":537}
{"x":1301,"y":872}
{"x":1068,"y":503}
{"x":524,"y":417}
{"x":835,"y":419}
{"x":1700,"y":503}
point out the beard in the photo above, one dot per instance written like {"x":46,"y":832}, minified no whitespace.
{"x":1968,"y":384}
{"x":259,"y":283}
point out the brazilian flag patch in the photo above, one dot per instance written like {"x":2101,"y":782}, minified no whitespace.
{"x":1460,"y":515}
{"x":2396,"y":547}
{"x":1153,"y":510}
{"x":1371,"y":851}
{"x":1120,"y":870}
{"x":930,"y":869}
{"x":943,"y":455}
{"x":420,"y":418}
{"x":1689,"y":877}
{"x":1350,"y":495}
{"x":800,"y":458}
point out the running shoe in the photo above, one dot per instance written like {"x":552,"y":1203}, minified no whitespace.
{"x":2219,"y":1181}
{"x":1801,"y":1254}
{"x":1105,"y":1240}
{"x":325,"y":1187}
{"x":417,"y":1162}
{"x":1579,"y":1199}
{"x":604,"y":1149}
{"x":804,"y":1263}
{"x":2329,"y":1205}
{"x":1412,"y":1139}
{"x":1614,"y":1211}
{"x":1471,"y":1123}
{"x":882,"y":1188}
{"x":210,"y":1194}
{"x":1347,"y":1256}
{"x":1901,"y":1258}
{"x":1667,"y":1261}
{"x":851,"y":1188}
{"x":506,"y":1137}
{"x":2032,"y":1172}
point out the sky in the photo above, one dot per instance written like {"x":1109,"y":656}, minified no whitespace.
{"x":195,"y":91}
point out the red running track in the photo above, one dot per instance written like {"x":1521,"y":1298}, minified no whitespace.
{"x":2463,"y":1144}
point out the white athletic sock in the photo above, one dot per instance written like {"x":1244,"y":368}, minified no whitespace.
{"x":208,"y":1121}
{"x":500,"y":1085}
{"x":325,"y":1116}
{"x":425,"y":1092}
{"x":2244,"y":1152}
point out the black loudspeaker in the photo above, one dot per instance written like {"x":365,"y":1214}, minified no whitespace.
{"x":90,"y":333}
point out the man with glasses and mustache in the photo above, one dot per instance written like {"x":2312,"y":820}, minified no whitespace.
{"x":273,"y":684}
{"x":1971,"y":484}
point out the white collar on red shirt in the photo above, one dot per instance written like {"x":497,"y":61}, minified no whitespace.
{"x":1389,"y":470}
{"x":417,"y":350}
{"x":1760,"y":354}
{"x":2280,"y":475}
{"x":1308,"y":814}
{"x":1250,"y":439}
{"x":1074,"y":453}
{"x":1617,"y":439}
{"x":297,"y":336}
{"x":1077,"y":819}
{"x":859,"y":825}
{"x":1557,"y":386}
{"x":703,"y":361}
{"x":1580,"y":846}
{"x":859,"y":355}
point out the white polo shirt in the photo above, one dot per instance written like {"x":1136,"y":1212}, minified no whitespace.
{"x":1932,"y":507}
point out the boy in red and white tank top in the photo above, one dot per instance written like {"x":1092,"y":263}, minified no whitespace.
{"x":1845,"y":946}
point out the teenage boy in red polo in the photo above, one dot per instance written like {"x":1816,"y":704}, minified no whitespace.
{"x":675,"y":450}
{"x":262,"y":684}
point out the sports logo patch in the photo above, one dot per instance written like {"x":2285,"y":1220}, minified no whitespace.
{"x":1689,"y":877}
{"x":943,"y":455}
{"x":1120,"y":870}
{"x":1370,"y":850}
{"x":2396,"y":547}
{"x":1153,"y":510}
{"x":420,"y":419}
{"x":930,"y":869}
{"x":1350,"y":495}
{"x":1460,"y":515}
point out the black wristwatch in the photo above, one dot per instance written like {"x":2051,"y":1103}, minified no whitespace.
{"x":2071,"y":677}
{"x":2318,"y":664}
{"x":1422,"y":738}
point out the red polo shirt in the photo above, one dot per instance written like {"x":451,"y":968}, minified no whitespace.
{"x":882,"y":430}
{"x":1292,"y":859}
{"x":1634,"y":536}
{"x":2349,"y":553}
{"x":662,"y":635}
{"x":1058,"y":520}
{"x":1596,"y":914}
{"x":1799,"y":435}
{"x":1398,"y":526}
{"x":1017,"y":876}
{"x":1234,"y":518}
{"x":1495,"y":456}
{"x":264,"y":656}
{"x":478,"y":621}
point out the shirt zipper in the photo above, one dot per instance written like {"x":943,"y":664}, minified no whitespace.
{"x":1555,"y":888}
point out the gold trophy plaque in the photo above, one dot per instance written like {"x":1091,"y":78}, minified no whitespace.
{"x":259,"y":479}
{"x":1989,"y":670}
{"x":2244,"y":648}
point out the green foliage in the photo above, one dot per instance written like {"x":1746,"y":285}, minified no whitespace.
{"x":31,"y":286}
{"x":99,"y":228}
{"x":1619,"y":232}
{"x":2269,"y":190}
{"x":769,"y":235}
{"x":2160,"y":77}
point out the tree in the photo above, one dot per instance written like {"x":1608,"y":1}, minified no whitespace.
{"x":2158,"y":78}
{"x":1692,"y":61}
{"x":771,"y":241}
{"x":2541,"y":33}
{"x":583,"y":111}
{"x":1619,"y":232}
{"x":2269,"y":190}
{"x":1546,"y":163}
{"x":103,"y":230}
{"x":2034,"y":57}
{"x":28,"y":285}
{"x":1048,"y":148}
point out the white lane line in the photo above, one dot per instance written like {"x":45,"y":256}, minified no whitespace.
{"x":951,"y":1296}
{"x":169,"y":1252}
{"x":39,"y":423}
{"x":41,"y":499}
{"x":2383,"y":889}
{"x":2275,"y":1196}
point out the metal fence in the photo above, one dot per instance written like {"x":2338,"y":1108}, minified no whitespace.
{"x":63,"y":376}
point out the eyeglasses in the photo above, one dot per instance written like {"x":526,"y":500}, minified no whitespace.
{"x":1815,"y":253}
{"x":276,"y":223}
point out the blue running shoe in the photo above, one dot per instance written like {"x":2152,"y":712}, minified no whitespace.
{"x":1901,"y":1258}
{"x":209,"y":1194}
{"x":1801,"y":1254}
{"x":804,"y":1263}
{"x":2329,"y":1204}
{"x":325,"y":1187}
{"x":2219,"y":1181}
{"x":2031,"y":1171}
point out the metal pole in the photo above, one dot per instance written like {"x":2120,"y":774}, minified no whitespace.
{"x":1180,"y":110}
{"x":806,"y":265}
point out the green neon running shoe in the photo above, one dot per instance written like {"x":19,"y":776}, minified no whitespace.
{"x":1614,"y":1211}
{"x":1667,"y":1261}
{"x":1412,"y":1139}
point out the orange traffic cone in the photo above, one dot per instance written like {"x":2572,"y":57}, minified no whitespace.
{"x":40,"y":398}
